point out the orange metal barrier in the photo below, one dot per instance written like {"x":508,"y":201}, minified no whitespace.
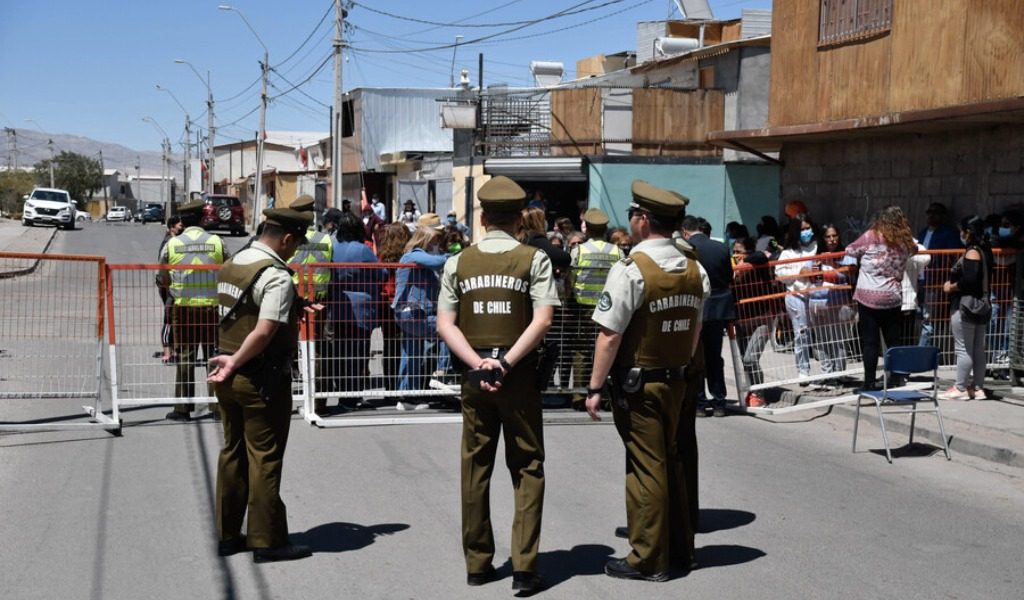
{"x":51,"y":333}
{"x":809,"y":334}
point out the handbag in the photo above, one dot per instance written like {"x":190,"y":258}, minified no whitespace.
{"x":974,"y":309}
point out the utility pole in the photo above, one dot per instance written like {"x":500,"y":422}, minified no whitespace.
{"x":209,"y":136}
{"x":339,"y":107}
{"x":258,"y":192}
{"x":106,"y":193}
{"x":12,"y":147}
{"x":138,"y":179}
{"x":50,"y":144}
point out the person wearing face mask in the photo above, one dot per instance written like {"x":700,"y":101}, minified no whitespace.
{"x":260,"y":312}
{"x":883,"y":251}
{"x":937,"y":234}
{"x":410,"y":215}
{"x":1008,"y":237}
{"x":797,"y":270}
{"x":452,"y":221}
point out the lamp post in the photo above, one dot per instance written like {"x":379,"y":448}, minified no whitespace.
{"x":209,"y":124}
{"x":264,"y":70}
{"x":165,"y":146}
{"x":49,"y":143}
{"x":187,"y":144}
{"x":451,"y":73}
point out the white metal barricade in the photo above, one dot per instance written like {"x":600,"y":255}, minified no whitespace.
{"x":367,"y":354}
{"x":51,"y":339}
{"x":159,"y":351}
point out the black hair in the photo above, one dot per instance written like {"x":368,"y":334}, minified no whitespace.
{"x":502,"y":218}
{"x":793,"y":230}
{"x":189,"y":219}
{"x":690,"y":223}
{"x":703,"y":226}
{"x":975,"y":228}
{"x":173,"y":220}
{"x":821,"y":233}
{"x":749,"y":244}
{"x":350,"y":228}
{"x":768,"y":226}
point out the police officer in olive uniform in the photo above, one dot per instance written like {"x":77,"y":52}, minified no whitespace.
{"x":259,"y":319}
{"x":194,"y":314}
{"x":496,"y":303}
{"x":319,"y":248}
{"x":650,"y":317}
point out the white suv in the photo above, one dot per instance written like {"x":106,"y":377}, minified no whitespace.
{"x":51,"y":206}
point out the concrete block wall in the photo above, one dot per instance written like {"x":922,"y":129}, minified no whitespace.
{"x":979,"y":171}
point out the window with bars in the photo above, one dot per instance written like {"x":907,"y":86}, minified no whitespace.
{"x":848,"y":20}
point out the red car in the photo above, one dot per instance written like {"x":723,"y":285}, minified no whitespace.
{"x":223,"y":212}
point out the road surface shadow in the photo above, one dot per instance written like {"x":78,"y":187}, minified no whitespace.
{"x":345,"y":537}
{"x":726,"y":555}
{"x":717,"y":519}
{"x":558,"y":566}
{"x":917,"y":449}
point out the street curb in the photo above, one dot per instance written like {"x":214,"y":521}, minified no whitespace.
{"x":35,"y":265}
{"x":928,"y":429}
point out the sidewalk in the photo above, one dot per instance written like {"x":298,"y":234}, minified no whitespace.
{"x":15,"y":237}
{"x":990,"y":429}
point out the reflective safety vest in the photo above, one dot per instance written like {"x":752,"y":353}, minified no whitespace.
{"x":194,"y":246}
{"x":318,"y":249}
{"x":591,"y":269}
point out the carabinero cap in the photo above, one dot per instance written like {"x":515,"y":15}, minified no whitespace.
{"x":304,"y":203}
{"x":290,"y":220}
{"x":595,"y":216}
{"x":657,"y":200}
{"x":194,"y":207}
{"x":501,"y":194}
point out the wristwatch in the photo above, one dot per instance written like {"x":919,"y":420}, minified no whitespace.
{"x":591,"y":391}
{"x":504,"y":364}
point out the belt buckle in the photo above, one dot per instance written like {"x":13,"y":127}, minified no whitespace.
{"x":495,"y":353}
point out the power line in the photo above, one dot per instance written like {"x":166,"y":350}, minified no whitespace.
{"x":461,"y":24}
{"x":311,"y":76}
{"x":330,"y":7}
{"x":297,"y":89}
{"x":494,"y":35}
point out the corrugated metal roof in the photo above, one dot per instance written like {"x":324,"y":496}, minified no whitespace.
{"x":397,"y":120}
{"x":756,"y":22}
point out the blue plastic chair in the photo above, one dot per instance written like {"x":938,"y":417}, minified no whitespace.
{"x":905,"y":360}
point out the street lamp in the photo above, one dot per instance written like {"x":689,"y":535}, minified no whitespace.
{"x":264,"y":69}
{"x":165,"y":146}
{"x":209,"y":124}
{"x":49,"y":143}
{"x":451,"y":73}
{"x":188,"y":140}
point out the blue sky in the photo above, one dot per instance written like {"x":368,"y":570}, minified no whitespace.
{"x":91,"y":68}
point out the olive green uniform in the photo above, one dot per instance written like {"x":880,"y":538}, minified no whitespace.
{"x":493,"y":287}
{"x":256,"y":401}
{"x":654,"y":300}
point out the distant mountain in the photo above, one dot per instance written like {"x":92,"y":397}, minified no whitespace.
{"x":32,"y":148}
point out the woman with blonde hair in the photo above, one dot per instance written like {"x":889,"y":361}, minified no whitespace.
{"x":883,"y":251}
{"x":415,"y":306}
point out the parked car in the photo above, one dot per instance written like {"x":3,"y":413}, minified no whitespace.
{"x":223,"y":212}
{"x":82,"y":216}
{"x":51,"y":206}
{"x":153,"y":212}
{"x":118,"y":213}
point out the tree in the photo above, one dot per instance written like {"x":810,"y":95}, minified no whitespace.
{"x":13,"y":186}
{"x":76,"y":173}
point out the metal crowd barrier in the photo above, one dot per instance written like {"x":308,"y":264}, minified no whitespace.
{"x":775,"y":328}
{"x":159,"y":351}
{"x":51,"y":339}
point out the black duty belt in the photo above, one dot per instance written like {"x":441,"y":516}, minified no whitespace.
{"x":495,"y":353}
{"x":664,"y":375}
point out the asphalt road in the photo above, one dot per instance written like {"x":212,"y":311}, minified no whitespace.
{"x":788,"y":512}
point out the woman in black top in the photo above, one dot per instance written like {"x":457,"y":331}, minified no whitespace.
{"x":969,"y":278}
{"x":532,"y":234}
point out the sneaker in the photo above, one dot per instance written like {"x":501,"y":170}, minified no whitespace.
{"x":977,"y":393}
{"x":421,"y":406}
{"x":401,"y":406}
{"x":753,"y":400}
{"x":803,"y":379}
{"x":953,"y":393}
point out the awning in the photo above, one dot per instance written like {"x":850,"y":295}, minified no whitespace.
{"x":934,"y":120}
{"x":564,"y":168}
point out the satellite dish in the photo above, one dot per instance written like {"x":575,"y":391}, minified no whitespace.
{"x":695,"y":9}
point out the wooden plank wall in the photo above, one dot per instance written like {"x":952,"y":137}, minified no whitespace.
{"x":576,"y":122}
{"x":937,"y":54}
{"x":676,"y":122}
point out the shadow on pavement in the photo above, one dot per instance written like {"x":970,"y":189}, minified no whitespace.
{"x":717,"y":519}
{"x":558,"y":566}
{"x":918,"y":449}
{"x":345,"y":537}
{"x":709,"y":557}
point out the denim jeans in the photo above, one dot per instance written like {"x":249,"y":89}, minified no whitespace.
{"x":796,"y":308}
{"x":419,"y":343}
